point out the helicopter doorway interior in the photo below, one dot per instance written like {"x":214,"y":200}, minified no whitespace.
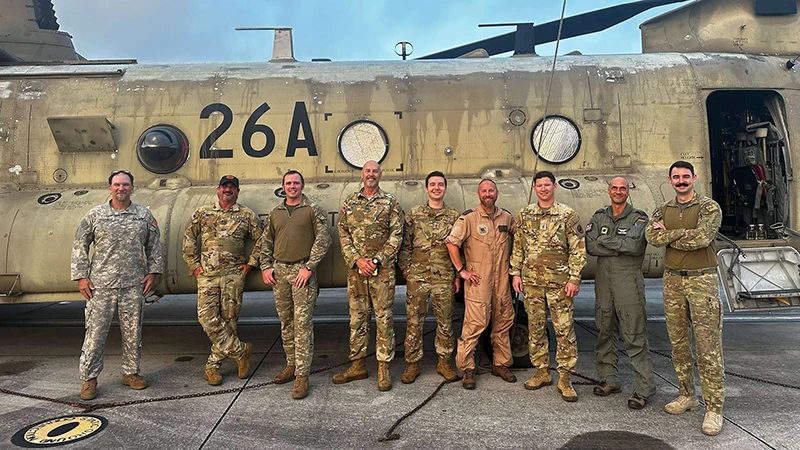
{"x":750,"y":161}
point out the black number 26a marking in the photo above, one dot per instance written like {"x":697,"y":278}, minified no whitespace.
{"x":300,"y":121}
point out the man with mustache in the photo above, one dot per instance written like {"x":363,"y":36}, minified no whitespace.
{"x":687,"y":226}
{"x":122,"y":271}
{"x":370,"y":234}
{"x":294,"y":241}
{"x":549,"y":254}
{"x":221,"y":267}
{"x":484,"y":233}
{"x":616,"y":236}
{"x":426,"y":266}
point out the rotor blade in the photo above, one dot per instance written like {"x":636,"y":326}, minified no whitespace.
{"x":586,"y":23}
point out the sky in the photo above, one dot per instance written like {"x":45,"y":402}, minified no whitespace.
{"x":170,"y":31}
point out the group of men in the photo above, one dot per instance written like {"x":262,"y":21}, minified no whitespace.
{"x":543,"y":250}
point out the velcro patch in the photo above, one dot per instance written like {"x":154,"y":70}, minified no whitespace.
{"x":622,"y":231}
{"x":589,"y":227}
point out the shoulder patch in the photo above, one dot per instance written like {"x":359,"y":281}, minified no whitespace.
{"x":466,"y":212}
{"x":154,"y":223}
{"x":580,"y":228}
{"x":641,"y":220}
{"x":589,"y":227}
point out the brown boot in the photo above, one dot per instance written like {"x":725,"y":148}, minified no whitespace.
{"x":565,"y":388}
{"x":356,"y":371}
{"x":469,"y":379}
{"x":135,"y":381}
{"x":300,"y":389}
{"x":540,"y":378}
{"x":284,"y":376}
{"x":504,"y":373}
{"x":244,"y":361}
{"x":410,"y":374}
{"x":384,"y":379}
{"x":211,"y":374}
{"x":89,"y":389}
{"x":443,"y":368}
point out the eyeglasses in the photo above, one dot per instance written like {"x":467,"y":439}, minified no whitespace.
{"x":117,"y":172}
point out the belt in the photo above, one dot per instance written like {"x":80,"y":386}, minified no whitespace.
{"x":292,"y":262}
{"x":692,"y":273}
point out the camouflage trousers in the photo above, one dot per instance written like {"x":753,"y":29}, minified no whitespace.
{"x":219,"y":301}
{"x":620,"y":309}
{"x":441,"y":293}
{"x":537,"y":300}
{"x":366,"y":293}
{"x":693,"y":302}
{"x":99,"y":312}
{"x":295,"y":308}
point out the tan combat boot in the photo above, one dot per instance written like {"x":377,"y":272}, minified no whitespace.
{"x":444,"y":369}
{"x":384,"y":379}
{"x":244,"y":361}
{"x":712,"y":423}
{"x":565,"y":388}
{"x":284,"y":376}
{"x":356,"y":371}
{"x":504,"y":373}
{"x":89,"y":389}
{"x":682,"y":404}
{"x":540,"y":378}
{"x":469,"y":379}
{"x":135,"y":381}
{"x":211,"y":374}
{"x":410,"y":374}
{"x":300,"y":389}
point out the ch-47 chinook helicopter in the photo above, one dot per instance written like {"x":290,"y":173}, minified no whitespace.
{"x":715,"y":86}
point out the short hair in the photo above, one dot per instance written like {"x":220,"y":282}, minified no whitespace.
{"x":544,"y":174}
{"x":293,"y":172}
{"x":117,"y":172}
{"x":435,"y":173}
{"x":489,"y":180}
{"x":681,"y":165}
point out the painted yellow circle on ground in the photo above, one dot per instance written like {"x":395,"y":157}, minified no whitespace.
{"x":59,"y":431}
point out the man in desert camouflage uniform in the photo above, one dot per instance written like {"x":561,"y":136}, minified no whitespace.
{"x":127,"y":258}
{"x":221,"y":267}
{"x":687,"y":226}
{"x":549,"y":254}
{"x":484,"y":233}
{"x":294,"y":241}
{"x":428,"y":271}
{"x":370,"y":233}
{"x":615,"y":235}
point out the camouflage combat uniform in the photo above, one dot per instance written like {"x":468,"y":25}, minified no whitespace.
{"x":691,"y":293}
{"x":549,"y":252}
{"x":290,"y":242}
{"x":219,"y":288}
{"x":426,"y":265}
{"x":126,"y":249}
{"x":619,"y":244}
{"x":371,"y":227}
{"x":486,"y":240}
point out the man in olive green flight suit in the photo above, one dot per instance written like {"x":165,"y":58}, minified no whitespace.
{"x":616,"y":236}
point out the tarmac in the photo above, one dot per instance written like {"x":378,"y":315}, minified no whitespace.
{"x":40,"y":346}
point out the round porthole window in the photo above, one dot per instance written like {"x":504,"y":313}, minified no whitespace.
{"x":556,"y":139}
{"x":362,"y":141}
{"x":162,"y":149}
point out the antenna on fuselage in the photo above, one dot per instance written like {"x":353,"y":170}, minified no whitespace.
{"x":282,"y":45}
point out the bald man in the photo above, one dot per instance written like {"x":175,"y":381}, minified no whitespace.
{"x":616,"y":236}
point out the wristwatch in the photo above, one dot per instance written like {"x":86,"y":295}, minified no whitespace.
{"x":308,"y":268}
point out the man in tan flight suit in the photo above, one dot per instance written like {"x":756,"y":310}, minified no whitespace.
{"x":485,"y":235}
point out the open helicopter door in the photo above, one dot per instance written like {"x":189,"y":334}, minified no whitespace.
{"x":760,"y":278}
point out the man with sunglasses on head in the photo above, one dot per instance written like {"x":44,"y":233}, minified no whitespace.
{"x":221,"y":267}
{"x":121,"y":272}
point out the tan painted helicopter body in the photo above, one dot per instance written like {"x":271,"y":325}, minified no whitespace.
{"x":65,"y":127}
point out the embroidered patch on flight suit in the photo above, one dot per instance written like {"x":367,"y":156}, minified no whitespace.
{"x":603,"y":231}
{"x":589,"y":227}
{"x":483,"y":229}
{"x":622,"y":231}
{"x":503,"y":228}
